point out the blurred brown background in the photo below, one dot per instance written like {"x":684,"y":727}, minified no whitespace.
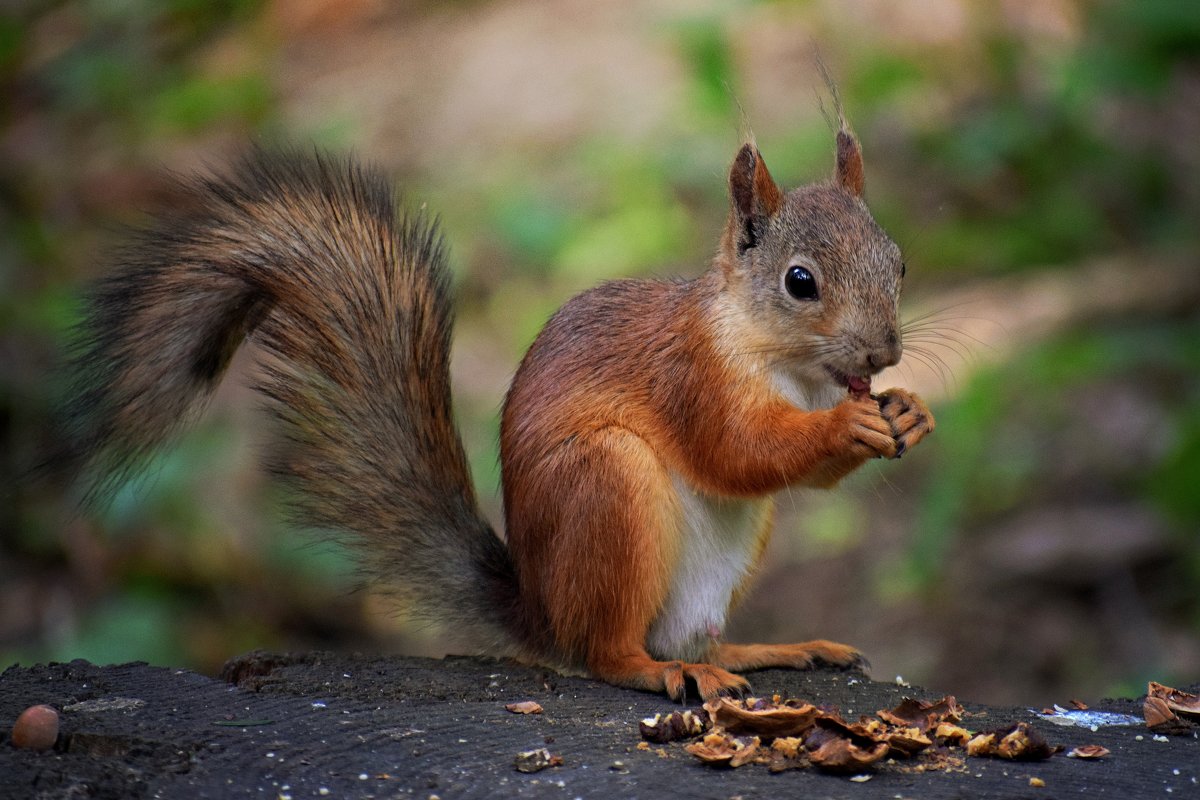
{"x":1037,"y":161}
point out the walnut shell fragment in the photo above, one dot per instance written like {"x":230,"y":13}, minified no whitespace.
{"x":1159,"y":715}
{"x":524,"y":707}
{"x":768,"y":722}
{"x":661,"y":729}
{"x":722,"y":749}
{"x":1185,"y":704}
{"x":982,"y":744}
{"x":793,"y":734}
{"x":1169,"y":710}
{"x":906,"y":742}
{"x":1019,"y":742}
{"x":1089,"y":751}
{"x":948,"y":733}
{"x":833,"y":747}
{"x":536,"y":760}
{"x":787,"y":752}
{"x":788,"y":746}
{"x":922,"y":714}
{"x":902,"y":742}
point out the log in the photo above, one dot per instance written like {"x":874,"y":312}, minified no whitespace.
{"x":328,"y":725}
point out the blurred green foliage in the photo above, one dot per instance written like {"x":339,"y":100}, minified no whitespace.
{"x":129,"y":65}
{"x":1052,"y":158}
{"x":1002,"y":457}
{"x":91,"y":87}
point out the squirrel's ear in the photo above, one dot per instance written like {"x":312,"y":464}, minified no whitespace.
{"x":849,"y":164}
{"x":754,"y":193}
{"x":751,"y":186}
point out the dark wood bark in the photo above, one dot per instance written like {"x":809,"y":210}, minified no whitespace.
{"x":291,"y":726}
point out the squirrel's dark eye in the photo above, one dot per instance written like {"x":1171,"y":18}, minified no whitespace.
{"x":800,"y":283}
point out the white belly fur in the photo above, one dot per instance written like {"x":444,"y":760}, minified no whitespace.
{"x":717,"y":546}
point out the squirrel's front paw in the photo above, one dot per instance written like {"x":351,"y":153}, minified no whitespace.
{"x":864,"y":431}
{"x":908,"y":415}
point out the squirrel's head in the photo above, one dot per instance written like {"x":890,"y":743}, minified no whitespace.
{"x":816,"y":276}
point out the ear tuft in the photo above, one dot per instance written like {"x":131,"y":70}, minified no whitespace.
{"x":850,"y":164}
{"x":849,"y":174}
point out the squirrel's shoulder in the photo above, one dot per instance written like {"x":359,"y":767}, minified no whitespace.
{"x":616,"y":334}
{"x":619,"y":309}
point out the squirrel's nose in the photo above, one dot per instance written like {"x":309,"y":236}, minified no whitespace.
{"x":886,"y":354}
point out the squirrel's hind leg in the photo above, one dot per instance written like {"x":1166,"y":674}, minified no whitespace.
{"x":613,"y":536}
{"x":804,"y":655}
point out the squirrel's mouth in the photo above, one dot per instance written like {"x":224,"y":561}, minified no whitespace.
{"x":858,"y":385}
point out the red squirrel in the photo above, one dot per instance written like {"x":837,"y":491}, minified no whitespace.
{"x":642,"y":438}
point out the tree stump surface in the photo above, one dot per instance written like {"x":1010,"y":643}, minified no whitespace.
{"x":325,"y":725}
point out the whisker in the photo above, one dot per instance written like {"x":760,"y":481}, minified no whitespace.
{"x":905,"y":370}
{"x":936,"y":365}
{"x":958,"y":348}
{"x":936,"y":358}
{"x":927,"y":318}
{"x":943,"y":309}
{"x":920,"y":356}
{"x":944,"y":330}
{"x":935,"y":331}
{"x":943,"y":312}
{"x":896,"y":491}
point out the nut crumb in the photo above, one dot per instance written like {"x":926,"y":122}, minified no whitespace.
{"x":524,"y":707}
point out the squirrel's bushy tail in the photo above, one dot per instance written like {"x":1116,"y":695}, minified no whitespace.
{"x":349,"y":303}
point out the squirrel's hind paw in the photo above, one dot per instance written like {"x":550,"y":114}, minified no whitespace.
{"x":639,"y":671}
{"x":710,"y":681}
